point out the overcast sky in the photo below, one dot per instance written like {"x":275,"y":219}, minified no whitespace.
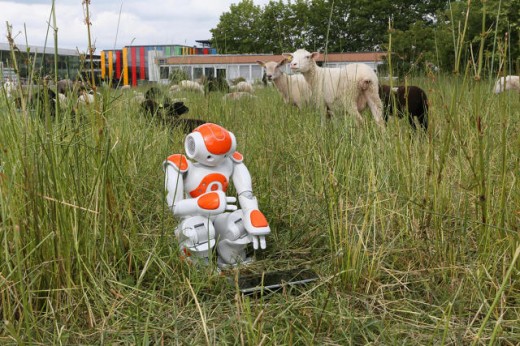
{"x":115,"y":23}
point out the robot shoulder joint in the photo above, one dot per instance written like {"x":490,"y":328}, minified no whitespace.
{"x":179,"y":162}
{"x":237,"y":157}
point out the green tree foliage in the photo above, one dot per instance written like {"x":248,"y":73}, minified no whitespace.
{"x":238,"y":30}
{"x":424,"y":32}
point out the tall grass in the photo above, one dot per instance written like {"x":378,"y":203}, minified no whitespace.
{"x":415,"y":235}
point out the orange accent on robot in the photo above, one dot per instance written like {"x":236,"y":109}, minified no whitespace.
{"x":217,"y":139}
{"x":179,"y":161}
{"x":238,"y":156}
{"x":258,"y":219}
{"x":210,"y":180}
{"x":209,"y":201}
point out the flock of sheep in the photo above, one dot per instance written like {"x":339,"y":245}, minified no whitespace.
{"x":349,"y":89}
{"x":66,"y":93}
{"x":352,"y":89}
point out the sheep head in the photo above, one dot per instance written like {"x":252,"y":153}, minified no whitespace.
{"x":272,"y":68}
{"x":301,"y":60}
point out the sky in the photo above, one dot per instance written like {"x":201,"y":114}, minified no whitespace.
{"x":115,"y":23}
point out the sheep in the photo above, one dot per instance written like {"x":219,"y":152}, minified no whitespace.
{"x":9,"y":87}
{"x":168,"y":113}
{"x":85,"y":98}
{"x":165,"y":110}
{"x":238,"y":95}
{"x":64,"y":86}
{"x":507,"y":83}
{"x":293,"y":88}
{"x":138,"y":97}
{"x":191,"y":86}
{"x":242,"y":87}
{"x":410,"y":100}
{"x":63,"y":100}
{"x":155,"y":104}
{"x":353,"y":86}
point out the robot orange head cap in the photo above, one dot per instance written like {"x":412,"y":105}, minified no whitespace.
{"x":217,"y":139}
{"x":209,"y":144}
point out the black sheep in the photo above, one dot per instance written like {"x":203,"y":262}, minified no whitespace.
{"x":42,"y":100}
{"x":165,"y":110}
{"x":410,"y":100}
{"x":168,"y":113}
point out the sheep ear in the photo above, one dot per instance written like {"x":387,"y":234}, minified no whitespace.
{"x":288,"y":56}
{"x":315,"y":55}
{"x":261,"y":63}
{"x":283,"y":62}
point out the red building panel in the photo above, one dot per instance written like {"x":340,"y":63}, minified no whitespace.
{"x":118,"y":64}
{"x":142,"y":64}
{"x":133,"y":63}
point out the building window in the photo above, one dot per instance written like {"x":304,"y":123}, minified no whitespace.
{"x":164,"y":72}
{"x":244,"y":72}
{"x":256,"y":72}
{"x":233,"y":72}
{"x":197,"y":72}
{"x":209,"y":72}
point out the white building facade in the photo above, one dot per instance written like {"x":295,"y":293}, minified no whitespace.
{"x":245,"y":66}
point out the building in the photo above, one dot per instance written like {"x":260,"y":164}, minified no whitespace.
{"x":40,"y":61}
{"x":245,"y":65}
{"x":134,"y":65}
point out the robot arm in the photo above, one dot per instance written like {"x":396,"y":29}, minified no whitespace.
{"x":254,"y":220}
{"x":207,"y":204}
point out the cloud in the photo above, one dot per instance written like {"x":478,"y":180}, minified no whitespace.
{"x":140,"y":22}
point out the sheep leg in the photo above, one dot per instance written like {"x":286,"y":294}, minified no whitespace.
{"x":352,"y":108}
{"x":411,"y":120}
{"x":423,"y":121}
{"x":327,"y":116}
{"x":376,"y":108}
{"x":329,"y":113}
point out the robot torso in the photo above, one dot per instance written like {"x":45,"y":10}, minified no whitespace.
{"x":200,"y":179}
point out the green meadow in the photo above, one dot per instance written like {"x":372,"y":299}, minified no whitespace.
{"x":415,"y":236}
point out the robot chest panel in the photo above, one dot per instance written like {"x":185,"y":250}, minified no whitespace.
{"x":205,"y":180}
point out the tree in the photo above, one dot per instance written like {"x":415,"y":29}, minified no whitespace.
{"x":424,"y":31}
{"x":238,"y":29}
{"x":277,"y":32}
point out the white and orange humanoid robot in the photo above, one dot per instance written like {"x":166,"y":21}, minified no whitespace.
{"x":196,"y":194}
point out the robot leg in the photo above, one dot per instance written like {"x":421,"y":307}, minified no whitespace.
{"x":232,"y":238}
{"x":196,"y":236}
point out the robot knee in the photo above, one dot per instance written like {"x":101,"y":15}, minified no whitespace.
{"x":232,"y":238}
{"x":196,"y":236}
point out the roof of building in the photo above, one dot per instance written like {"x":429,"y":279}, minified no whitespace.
{"x":252,"y":58}
{"x":40,"y":50}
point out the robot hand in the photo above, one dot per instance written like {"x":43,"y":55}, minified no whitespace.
{"x":215,"y":202}
{"x":256,"y":225}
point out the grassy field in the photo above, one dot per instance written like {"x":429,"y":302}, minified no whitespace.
{"x":415,"y":236}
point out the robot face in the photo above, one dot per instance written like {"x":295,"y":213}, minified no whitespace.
{"x":210,"y":144}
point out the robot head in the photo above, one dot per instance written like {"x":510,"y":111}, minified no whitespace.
{"x":210,"y":144}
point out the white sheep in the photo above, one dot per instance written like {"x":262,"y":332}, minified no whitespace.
{"x":238,"y":95}
{"x":87,"y":98}
{"x":191,"y":85}
{"x":10,"y":87}
{"x":507,"y":83}
{"x":63,"y":100}
{"x":352,"y":87}
{"x":242,"y":87}
{"x":138,"y":97}
{"x":293,"y":88}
